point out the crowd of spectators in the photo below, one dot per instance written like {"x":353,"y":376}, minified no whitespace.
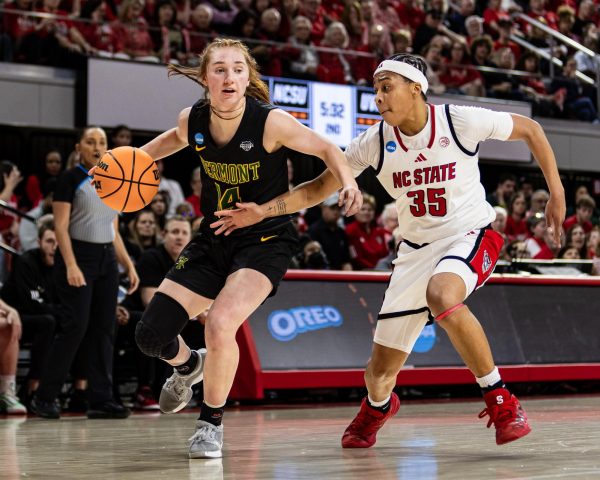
{"x":338,"y":41}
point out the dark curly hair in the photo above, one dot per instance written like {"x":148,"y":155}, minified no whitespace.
{"x":414,"y":61}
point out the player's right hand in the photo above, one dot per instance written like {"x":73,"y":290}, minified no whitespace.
{"x":244,"y":215}
{"x":350,"y":200}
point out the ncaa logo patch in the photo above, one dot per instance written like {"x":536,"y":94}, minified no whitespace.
{"x":199,"y":138}
{"x":390,"y":146}
{"x":487,"y":262}
{"x":246,"y":145}
{"x":444,"y":142}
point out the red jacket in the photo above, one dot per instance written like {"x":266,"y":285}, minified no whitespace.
{"x":366,"y":248}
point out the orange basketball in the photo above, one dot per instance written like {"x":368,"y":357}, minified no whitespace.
{"x":126,"y":179}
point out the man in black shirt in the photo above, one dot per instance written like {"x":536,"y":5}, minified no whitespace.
{"x":31,"y":292}
{"x":152,"y":267}
{"x":331,"y":236}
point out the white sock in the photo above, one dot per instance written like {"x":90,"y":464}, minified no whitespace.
{"x":8,"y":383}
{"x":489,"y":379}
{"x":378,"y":404}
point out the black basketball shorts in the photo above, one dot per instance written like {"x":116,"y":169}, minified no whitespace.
{"x":207,"y":261}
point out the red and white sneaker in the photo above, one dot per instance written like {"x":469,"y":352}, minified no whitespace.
{"x":506,"y":414}
{"x":144,"y":400}
{"x":362,"y":432}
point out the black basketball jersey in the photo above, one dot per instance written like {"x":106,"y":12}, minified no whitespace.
{"x":242,"y":170}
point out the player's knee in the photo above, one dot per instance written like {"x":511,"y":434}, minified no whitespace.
{"x":148,"y":341}
{"x":379,"y":373}
{"x":156,"y":333}
{"x":439,"y":298}
{"x":218,"y":332}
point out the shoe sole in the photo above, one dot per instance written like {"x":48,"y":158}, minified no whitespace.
{"x":514,"y":436}
{"x":189,"y":393}
{"x":218,"y":454}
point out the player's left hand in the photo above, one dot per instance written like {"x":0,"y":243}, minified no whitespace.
{"x":556,"y":209}
{"x":244,"y":215}
{"x":350,"y":200}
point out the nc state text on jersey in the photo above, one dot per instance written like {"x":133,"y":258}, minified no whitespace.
{"x":425,"y":175}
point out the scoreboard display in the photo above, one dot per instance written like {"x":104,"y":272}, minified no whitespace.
{"x":327,"y":108}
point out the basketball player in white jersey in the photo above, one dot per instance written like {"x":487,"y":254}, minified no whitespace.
{"x":426,"y":158}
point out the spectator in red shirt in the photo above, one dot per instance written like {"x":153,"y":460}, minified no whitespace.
{"x":95,"y":29}
{"x":52,"y":168}
{"x":491,"y":15}
{"x":200,"y":30}
{"x":387,"y":15}
{"x":505,"y":30}
{"x":458,"y":76}
{"x":516,"y":226}
{"x":131,"y":29}
{"x":313,"y":10}
{"x":170,"y":41}
{"x":352,"y":18}
{"x":410,"y":13}
{"x":583,"y":214}
{"x":365,"y":66}
{"x":537,"y":245}
{"x":267,"y":56}
{"x":17,"y":26}
{"x":537,"y":9}
{"x":289,"y":10}
{"x":194,"y":198}
{"x":367,"y":241}
{"x":335,"y":66}
{"x":592,"y":242}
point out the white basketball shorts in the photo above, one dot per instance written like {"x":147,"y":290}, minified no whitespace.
{"x":404,"y":312}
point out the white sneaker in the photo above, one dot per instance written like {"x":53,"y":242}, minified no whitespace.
{"x":10,"y":404}
{"x":177,"y":390}
{"x":207,"y":441}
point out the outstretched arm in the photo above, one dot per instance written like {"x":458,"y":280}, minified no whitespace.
{"x":531,"y":132}
{"x":303,"y":196}
{"x":170,"y":141}
{"x":281,"y":129}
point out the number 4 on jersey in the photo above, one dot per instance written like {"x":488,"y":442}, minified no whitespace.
{"x":228,"y":198}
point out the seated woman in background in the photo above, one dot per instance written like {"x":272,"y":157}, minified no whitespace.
{"x":131,"y":29}
{"x":367,"y":241}
{"x":35,"y":182}
{"x":142,"y":234}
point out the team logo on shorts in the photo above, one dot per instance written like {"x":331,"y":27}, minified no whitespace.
{"x":390,"y":146}
{"x":487,"y":261}
{"x":181,"y":261}
{"x":246,"y":146}
{"x":444,"y":142}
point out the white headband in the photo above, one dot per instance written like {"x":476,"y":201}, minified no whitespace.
{"x":405,"y":70}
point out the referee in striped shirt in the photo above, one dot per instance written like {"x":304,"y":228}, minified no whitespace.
{"x":86,"y":275}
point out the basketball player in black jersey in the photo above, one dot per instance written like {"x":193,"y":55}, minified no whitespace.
{"x":242,"y":144}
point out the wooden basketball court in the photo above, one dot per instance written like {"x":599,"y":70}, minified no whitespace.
{"x":438,"y":440}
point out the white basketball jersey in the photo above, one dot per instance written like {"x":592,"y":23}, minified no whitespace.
{"x":434,"y":175}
